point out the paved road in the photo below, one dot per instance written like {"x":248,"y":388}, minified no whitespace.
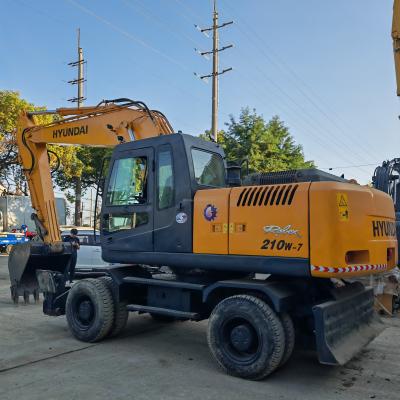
{"x":40,"y":360}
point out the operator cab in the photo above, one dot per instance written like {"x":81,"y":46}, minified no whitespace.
{"x":148,"y":194}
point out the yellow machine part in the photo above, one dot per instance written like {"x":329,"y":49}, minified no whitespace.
{"x":352,"y":230}
{"x":343,"y":229}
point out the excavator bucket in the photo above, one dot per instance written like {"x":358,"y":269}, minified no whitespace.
{"x":25,"y":259}
{"x":346,"y":325}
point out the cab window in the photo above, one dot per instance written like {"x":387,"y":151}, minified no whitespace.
{"x":165,"y":179}
{"x":120,"y":222}
{"x":209,"y":169}
{"x":127,"y":184}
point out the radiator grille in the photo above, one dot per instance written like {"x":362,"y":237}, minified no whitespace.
{"x":272,"y":195}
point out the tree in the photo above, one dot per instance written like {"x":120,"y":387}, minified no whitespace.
{"x":78,"y":166}
{"x":11,"y":174}
{"x":83,"y":163}
{"x":268,"y":146}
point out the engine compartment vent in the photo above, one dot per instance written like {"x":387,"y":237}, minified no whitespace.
{"x":292,"y":176}
{"x":271,"y":195}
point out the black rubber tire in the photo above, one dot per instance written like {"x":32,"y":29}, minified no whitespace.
{"x":121,"y":314}
{"x":162,"y":318}
{"x":265,"y":325}
{"x":290,"y":337}
{"x":99,"y":296}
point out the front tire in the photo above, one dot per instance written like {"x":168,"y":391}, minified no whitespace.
{"x":90,"y":310}
{"x":246,"y":337}
{"x":121,"y":314}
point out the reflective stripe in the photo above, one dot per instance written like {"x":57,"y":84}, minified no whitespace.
{"x":349,"y":269}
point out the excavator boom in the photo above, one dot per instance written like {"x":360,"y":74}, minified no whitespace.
{"x":108,"y":124}
{"x":396,"y":41}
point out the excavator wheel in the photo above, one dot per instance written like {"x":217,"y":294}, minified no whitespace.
{"x":246,"y":337}
{"x":90,"y":310}
{"x":121,"y":314}
{"x":288,"y":327}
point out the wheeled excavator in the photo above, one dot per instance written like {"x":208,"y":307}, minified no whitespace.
{"x":266,"y":258}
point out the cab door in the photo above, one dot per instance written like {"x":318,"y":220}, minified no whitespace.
{"x":127,"y":211}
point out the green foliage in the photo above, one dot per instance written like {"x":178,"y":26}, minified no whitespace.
{"x":268,"y":146}
{"x":11,"y":106}
{"x":82,"y":162}
{"x":78,"y":162}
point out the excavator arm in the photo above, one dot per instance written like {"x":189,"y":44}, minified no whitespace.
{"x":396,"y":41}
{"x":105,"y":125}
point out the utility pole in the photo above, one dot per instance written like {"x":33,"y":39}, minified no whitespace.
{"x":81,"y":78}
{"x":79,"y":101}
{"x":215,"y":72}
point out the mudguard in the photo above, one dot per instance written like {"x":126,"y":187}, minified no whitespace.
{"x":25,"y":259}
{"x":345,"y":325}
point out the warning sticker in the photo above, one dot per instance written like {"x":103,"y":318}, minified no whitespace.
{"x":343,"y":206}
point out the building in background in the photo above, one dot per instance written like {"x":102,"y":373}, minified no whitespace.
{"x":17,"y":210}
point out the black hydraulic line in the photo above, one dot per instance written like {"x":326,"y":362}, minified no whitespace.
{"x":30,"y":151}
{"x":128,"y":102}
{"x":57,"y":158}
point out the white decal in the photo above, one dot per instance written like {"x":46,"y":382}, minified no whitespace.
{"x":277,"y":230}
{"x":181,"y":218}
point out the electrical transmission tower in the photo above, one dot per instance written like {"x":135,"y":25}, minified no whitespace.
{"x":215,"y":72}
{"x":80,"y":79}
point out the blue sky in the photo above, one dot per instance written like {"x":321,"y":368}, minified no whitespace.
{"x":326,"y":68}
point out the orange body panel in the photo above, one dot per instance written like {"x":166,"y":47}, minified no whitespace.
{"x":344,"y":230}
{"x":211,"y":218}
{"x":333,"y":235}
{"x":269,"y":220}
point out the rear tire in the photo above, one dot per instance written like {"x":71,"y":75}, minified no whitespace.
{"x":246,"y":337}
{"x":90,"y":310}
{"x":121,"y":314}
{"x":290,"y":335}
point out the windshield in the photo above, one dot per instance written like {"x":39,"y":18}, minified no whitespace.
{"x":209,"y":169}
{"x":128,"y":182}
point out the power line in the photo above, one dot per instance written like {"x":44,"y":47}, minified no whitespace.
{"x":303,"y":114}
{"x":353,"y":166}
{"x":127,"y":34}
{"x":161,"y":22}
{"x":295,"y":77}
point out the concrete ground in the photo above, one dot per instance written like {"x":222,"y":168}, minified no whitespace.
{"x":40,"y":360}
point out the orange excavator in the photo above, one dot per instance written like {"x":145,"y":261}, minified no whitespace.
{"x":191,"y":235}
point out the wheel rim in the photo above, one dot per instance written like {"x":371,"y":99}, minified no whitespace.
{"x":241,"y":340}
{"x":84,"y":311}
